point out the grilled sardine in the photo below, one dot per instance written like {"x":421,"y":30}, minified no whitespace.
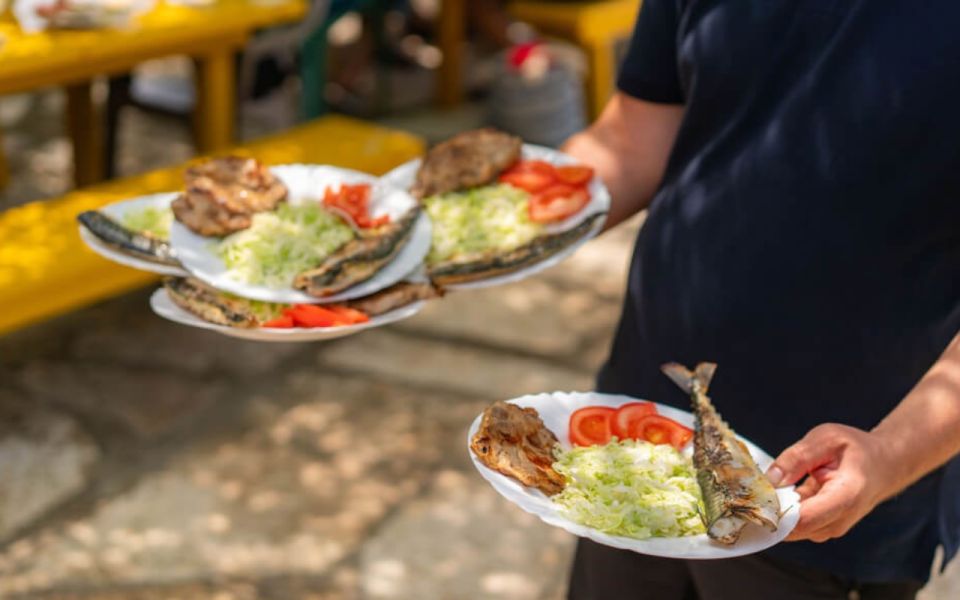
{"x":734,"y":489}
{"x":210,"y":304}
{"x":395,"y":296}
{"x":499,"y":263}
{"x":359,"y":259}
{"x":140,"y":245}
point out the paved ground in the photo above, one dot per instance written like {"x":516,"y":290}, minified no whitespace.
{"x":145,"y":460}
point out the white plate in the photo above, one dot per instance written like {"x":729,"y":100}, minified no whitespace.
{"x":161,"y":304}
{"x":405,"y":175}
{"x":555,"y":410}
{"x":307,"y":183}
{"x":117,"y":211}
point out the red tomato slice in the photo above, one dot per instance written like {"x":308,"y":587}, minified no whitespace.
{"x":575,"y":175}
{"x":627,"y":414}
{"x":352,"y":315}
{"x":556,"y":203}
{"x":591,"y":426}
{"x":530,"y":181}
{"x":311,"y":315}
{"x":281,"y":322}
{"x":658,"y":429}
{"x":534,"y":166}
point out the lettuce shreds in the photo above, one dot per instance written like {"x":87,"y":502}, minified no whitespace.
{"x":467,"y":224}
{"x":282,"y":243}
{"x":152,"y":220}
{"x":630,"y":488}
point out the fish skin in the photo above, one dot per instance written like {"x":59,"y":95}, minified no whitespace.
{"x":140,"y":245}
{"x":359,"y":259}
{"x":209,"y":304}
{"x":495,"y":264}
{"x":394,"y":297}
{"x":733,"y":488}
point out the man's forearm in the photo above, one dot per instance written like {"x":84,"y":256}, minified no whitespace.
{"x":628,"y":147}
{"x":923,"y":432}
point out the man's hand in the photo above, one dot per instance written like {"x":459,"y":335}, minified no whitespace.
{"x":848,"y":472}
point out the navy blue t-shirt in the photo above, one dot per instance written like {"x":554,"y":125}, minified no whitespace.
{"x":806,"y":236}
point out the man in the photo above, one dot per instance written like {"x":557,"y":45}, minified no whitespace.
{"x":801,"y":165}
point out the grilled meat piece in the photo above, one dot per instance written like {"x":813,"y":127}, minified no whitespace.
{"x":514,"y":441}
{"x":210,"y":304}
{"x":466,"y":160}
{"x":140,"y":245}
{"x":394,"y":297}
{"x":223,"y":194}
{"x":359,"y":259}
{"x":500,"y":263}
{"x":734,"y":489}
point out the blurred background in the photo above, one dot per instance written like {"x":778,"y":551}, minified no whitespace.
{"x":144,"y":460}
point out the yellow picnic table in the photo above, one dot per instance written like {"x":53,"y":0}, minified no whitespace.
{"x":45,"y":269}
{"x":210,"y":34}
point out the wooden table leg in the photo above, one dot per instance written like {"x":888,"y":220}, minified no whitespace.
{"x":86,"y":134}
{"x":453,"y":24}
{"x":213,"y":118}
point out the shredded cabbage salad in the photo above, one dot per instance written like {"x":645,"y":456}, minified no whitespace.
{"x":152,"y":220}
{"x":282,"y":243}
{"x":466,"y":224}
{"x":630,"y":488}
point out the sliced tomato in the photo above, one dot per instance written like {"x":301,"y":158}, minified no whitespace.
{"x":311,"y":315}
{"x":627,"y":414}
{"x":281,"y":322}
{"x":575,"y":175}
{"x":353,"y":202}
{"x":534,"y":166}
{"x":530,"y":181}
{"x":351,"y":315}
{"x":590,"y":426}
{"x":658,"y":429}
{"x":556,"y":203}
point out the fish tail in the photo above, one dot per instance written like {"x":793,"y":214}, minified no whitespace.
{"x":691,"y":382}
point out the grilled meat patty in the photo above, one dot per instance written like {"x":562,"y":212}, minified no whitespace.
{"x":466,"y":160}
{"x":223,"y":194}
{"x":515,"y":442}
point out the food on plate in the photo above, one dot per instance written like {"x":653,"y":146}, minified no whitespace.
{"x":357,"y":260}
{"x":313,"y":315}
{"x":495,"y":263}
{"x":395,"y":296}
{"x":143,"y":245}
{"x":223,"y":194}
{"x":556,"y":193}
{"x":514,"y":441}
{"x":597,"y":425}
{"x":150,"y":220}
{"x":630,"y":488}
{"x":469,"y":159}
{"x":209,"y":303}
{"x":352,"y":201}
{"x":282,"y":243}
{"x":735,"y":491}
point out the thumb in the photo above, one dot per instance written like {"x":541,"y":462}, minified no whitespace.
{"x":817,"y":449}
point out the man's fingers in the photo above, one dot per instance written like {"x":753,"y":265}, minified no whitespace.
{"x":822,"y":513}
{"x":809,"y":487}
{"x":818,"y":448}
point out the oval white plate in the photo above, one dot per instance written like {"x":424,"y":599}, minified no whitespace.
{"x":405,"y":175}
{"x":161,"y":304}
{"x":117,"y":211}
{"x":555,"y":409}
{"x":305,"y":183}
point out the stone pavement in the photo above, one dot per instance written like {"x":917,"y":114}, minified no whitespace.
{"x":143,"y":460}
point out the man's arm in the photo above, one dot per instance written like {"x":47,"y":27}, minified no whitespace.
{"x":628,"y":146}
{"x":851,"y":471}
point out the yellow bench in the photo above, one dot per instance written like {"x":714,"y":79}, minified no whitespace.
{"x":594,"y":26}
{"x":45,"y":269}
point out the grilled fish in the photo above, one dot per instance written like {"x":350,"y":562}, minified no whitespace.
{"x":734,"y":489}
{"x":499,"y":263}
{"x":359,"y":259}
{"x":210,"y":304}
{"x":394,"y":297}
{"x":140,"y":245}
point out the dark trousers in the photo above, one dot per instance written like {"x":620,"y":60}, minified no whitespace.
{"x":604,"y":573}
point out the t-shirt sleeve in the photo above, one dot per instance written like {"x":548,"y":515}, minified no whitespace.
{"x":649,"y":69}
